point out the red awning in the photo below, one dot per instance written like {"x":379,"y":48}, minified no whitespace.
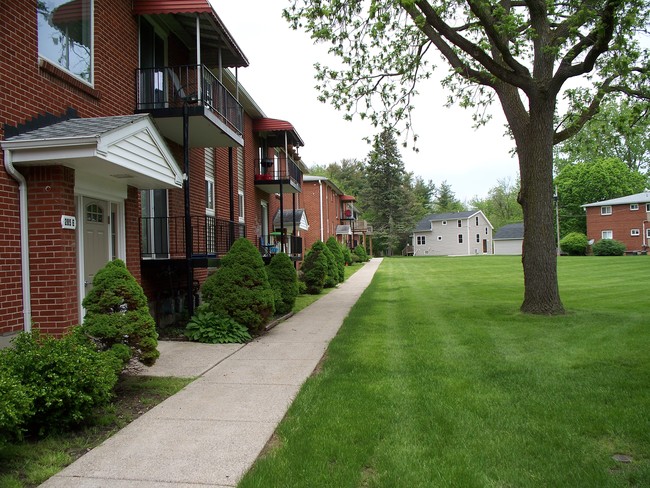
{"x":278,"y":126}
{"x":152,"y":7}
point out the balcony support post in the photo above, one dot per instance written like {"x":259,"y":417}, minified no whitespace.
{"x":199,"y":65}
{"x":188,"y":218}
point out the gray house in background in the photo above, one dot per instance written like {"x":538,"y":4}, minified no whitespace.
{"x":509,"y":239}
{"x":453,"y":234}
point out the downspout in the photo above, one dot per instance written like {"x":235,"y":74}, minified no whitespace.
{"x":320,"y":202}
{"x":24,"y":239}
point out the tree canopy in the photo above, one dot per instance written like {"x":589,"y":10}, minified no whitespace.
{"x":500,"y":206}
{"x":521,"y":53}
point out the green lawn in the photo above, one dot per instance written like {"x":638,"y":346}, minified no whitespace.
{"x":437,"y":380}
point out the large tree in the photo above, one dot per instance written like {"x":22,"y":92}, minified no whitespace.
{"x":387,"y":200}
{"x":522,"y":53}
{"x":619,"y":130}
{"x":445,"y":200}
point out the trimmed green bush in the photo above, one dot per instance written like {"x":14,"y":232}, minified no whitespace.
{"x":117,"y":313}
{"x":360,"y":251}
{"x":65,"y":379}
{"x":210,"y":328}
{"x":284,"y":282}
{"x":574,"y":244}
{"x":240,"y":287}
{"x":15,"y":405}
{"x":334,"y":246}
{"x":332,"y":273}
{"x":347,"y":255}
{"x":314,"y":269}
{"x":608,"y":247}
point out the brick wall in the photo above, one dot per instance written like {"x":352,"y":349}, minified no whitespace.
{"x":29,"y":88}
{"x":621,"y":221}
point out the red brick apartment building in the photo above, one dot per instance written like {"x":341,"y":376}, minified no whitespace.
{"x":125,"y":134}
{"x":625,"y":219}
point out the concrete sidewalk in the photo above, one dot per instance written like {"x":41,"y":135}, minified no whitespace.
{"x":211,"y":432}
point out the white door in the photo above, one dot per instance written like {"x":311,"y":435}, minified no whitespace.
{"x":96,"y":229}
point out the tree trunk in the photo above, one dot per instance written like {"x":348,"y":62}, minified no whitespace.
{"x":539,"y":257}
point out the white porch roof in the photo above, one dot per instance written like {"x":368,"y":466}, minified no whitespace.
{"x":125,"y":148}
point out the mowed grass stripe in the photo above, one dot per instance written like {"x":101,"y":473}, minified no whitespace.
{"x":436,"y":379}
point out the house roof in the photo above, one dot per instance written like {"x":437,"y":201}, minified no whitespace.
{"x":301,"y":219}
{"x":643,"y":197}
{"x":315,"y":178}
{"x":180,"y":17}
{"x":425,"y":223}
{"x":510,"y":231}
{"x":125,"y":148}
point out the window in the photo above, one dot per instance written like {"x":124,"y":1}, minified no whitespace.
{"x":478,"y":237}
{"x":444,"y":222}
{"x":209,"y":195}
{"x":635,"y":232}
{"x":486,"y":231}
{"x":65,"y":35}
{"x":240,"y":201}
{"x":209,"y":180}
{"x":460,"y":223}
{"x":439,"y":238}
{"x":634,"y":206}
{"x":94,"y":213}
{"x":460,"y":238}
{"x":647,"y":233}
{"x":607,"y":234}
{"x":647,"y":207}
{"x":477,"y":220}
{"x":421,"y":240}
{"x":606,"y":210}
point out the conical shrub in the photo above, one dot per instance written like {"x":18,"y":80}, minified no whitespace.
{"x":284,"y":282}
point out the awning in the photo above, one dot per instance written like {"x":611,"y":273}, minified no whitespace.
{"x":125,"y":148}
{"x":277,"y":128}
{"x":179,"y":16}
{"x":301,"y":219}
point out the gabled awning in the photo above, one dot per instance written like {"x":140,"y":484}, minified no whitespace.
{"x":179,"y":16}
{"x":125,"y":148}
{"x":288,"y":215}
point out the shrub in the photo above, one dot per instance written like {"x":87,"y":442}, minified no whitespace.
{"x":360,"y":251}
{"x":117,"y":313}
{"x":211,"y":328}
{"x":66,"y":379}
{"x":284,"y":282}
{"x":337,"y":252}
{"x":608,"y":247}
{"x":574,"y":244}
{"x":332,"y":270}
{"x":240,"y":287}
{"x":314,"y":269}
{"x":347,"y":255}
{"x":15,"y":405}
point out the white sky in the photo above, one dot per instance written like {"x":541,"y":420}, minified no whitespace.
{"x":280,"y":78}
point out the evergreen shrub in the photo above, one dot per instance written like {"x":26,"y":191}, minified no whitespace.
{"x":337,"y":252}
{"x":347,"y":255}
{"x":240,"y":287}
{"x":65,"y":379}
{"x":210,"y":328}
{"x":608,"y":247}
{"x":360,"y":251}
{"x":574,"y":244}
{"x":117,"y":314}
{"x":314,"y":269}
{"x":284,"y":282}
{"x":332,"y":272}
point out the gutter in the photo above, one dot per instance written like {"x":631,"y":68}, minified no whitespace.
{"x":24,"y":239}
{"x":320,"y":202}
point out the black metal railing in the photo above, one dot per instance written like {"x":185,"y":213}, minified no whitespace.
{"x":275,"y":243}
{"x":172,"y":86}
{"x":164,"y":237}
{"x":281,"y":168}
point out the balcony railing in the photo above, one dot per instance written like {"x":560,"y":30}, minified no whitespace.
{"x":164,"y":237}
{"x":171,"y":86}
{"x":272,"y":244}
{"x":281,"y":168}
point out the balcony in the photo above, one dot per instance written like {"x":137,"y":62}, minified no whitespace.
{"x":272,"y":244}
{"x":278,"y":175}
{"x":163,"y":238}
{"x":215,"y":115}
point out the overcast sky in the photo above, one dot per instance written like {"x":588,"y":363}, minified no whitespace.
{"x":280,"y":79}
